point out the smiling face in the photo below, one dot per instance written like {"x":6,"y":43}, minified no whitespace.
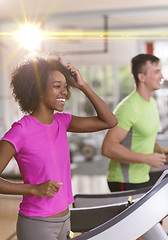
{"x":56,"y":92}
{"x":152,"y":76}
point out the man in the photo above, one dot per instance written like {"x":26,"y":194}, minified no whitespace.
{"x":131,"y":144}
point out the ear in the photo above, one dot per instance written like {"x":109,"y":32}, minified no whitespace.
{"x":141,"y":77}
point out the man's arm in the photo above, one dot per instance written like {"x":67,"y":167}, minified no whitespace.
{"x":112,"y":148}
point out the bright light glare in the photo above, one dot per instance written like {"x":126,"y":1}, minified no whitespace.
{"x":29,"y":37}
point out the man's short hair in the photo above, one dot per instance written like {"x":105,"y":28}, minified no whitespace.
{"x":138,"y":63}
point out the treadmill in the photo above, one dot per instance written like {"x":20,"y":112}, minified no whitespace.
{"x":139,"y":219}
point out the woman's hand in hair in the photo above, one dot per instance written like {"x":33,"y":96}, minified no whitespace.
{"x":78,"y":80}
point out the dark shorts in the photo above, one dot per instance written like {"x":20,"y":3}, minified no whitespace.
{"x":43,"y":228}
{"x":117,"y":186}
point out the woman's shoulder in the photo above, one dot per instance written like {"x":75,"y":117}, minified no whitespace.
{"x":64,"y":118}
{"x":21,"y":121}
{"x":24,"y":122}
{"x":62,"y":115}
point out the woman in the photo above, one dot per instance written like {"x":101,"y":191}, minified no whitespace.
{"x":39,"y":144}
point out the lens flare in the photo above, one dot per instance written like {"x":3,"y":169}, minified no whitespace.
{"x":29,"y":37}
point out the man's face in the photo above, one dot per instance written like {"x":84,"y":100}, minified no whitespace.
{"x":152,"y":76}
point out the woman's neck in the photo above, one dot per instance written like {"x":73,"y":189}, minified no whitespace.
{"x":43,"y":115}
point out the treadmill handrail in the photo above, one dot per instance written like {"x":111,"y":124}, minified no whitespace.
{"x":160,"y":178}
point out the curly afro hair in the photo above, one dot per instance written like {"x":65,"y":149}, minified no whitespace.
{"x":29,"y":80}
